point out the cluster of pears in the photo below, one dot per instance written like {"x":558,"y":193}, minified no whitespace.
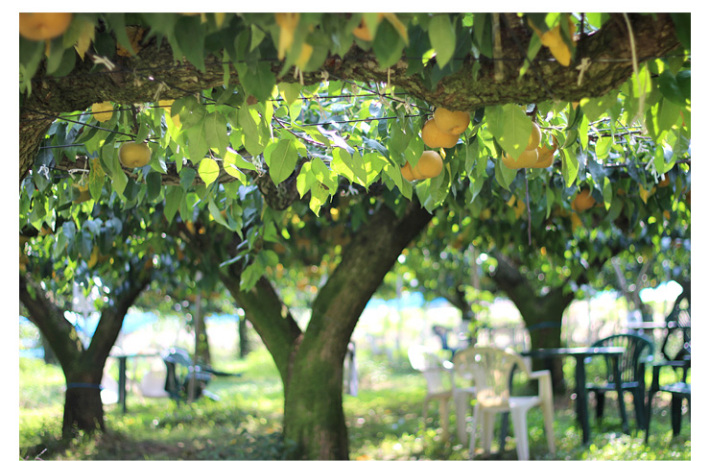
{"x":534,"y":155}
{"x":439,"y":132}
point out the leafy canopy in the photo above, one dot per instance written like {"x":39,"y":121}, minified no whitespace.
{"x":270,"y":130}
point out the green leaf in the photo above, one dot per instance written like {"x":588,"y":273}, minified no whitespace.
{"x":475,"y":187}
{"x":250,"y":132}
{"x":319,"y":196}
{"x":257,"y":79}
{"x":570,"y":166}
{"x":173,"y":197}
{"x":607,"y":193}
{"x":281,"y":158}
{"x":231,"y":163}
{"x":117,"y":24}
{"x":504,"y":176}
{"x":251,"y":275}
{"x":342,"y":164}
{"x":533,"y":49}
{"x":387,"y":45}
{"x":154,"y":185}
{"x":215,"y":212}
{"x":187,"y":177}
{"x":594,"y":108}
{"x":668,"y":84}
{"x":373,"y":164}
{"x":482,"y":32}
{"x":191,"y":40}
{"x":197,"y":144}
{"x":682,"y":28}
{"x":549,"y":199}
{"x":290,"y":91}
{"x":305,"y":179}
{"x":511,"y":127}
{"x":603,"y":146}
{"x":215,"y":127}
{"x":61,"y":61}
{"x":324,"y":174}
{"x":208,"y":170}
{"x":97,"y":176}
{"x":442,"y":36}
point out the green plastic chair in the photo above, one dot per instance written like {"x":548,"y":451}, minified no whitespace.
{"x":639,"y":350}
{"x":676,"y":352}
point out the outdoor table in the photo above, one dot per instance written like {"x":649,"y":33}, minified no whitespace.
{"x":582,"y":401}
{"x":122,"y":359}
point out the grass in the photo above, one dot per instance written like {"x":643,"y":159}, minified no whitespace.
{"x":384,"y":422}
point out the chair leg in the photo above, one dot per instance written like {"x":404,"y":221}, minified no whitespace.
{"x":444,"y":416}
{"x":548,"y":414}
{"x":649,"y":407}
{"x":676,"y":413}
{"x":424,"y":411}
{"x":599,"y":397}
{"x":487,"y":425}
{"x":461,"y":405}
{"x":520,"y":432}
{"x":639,"y":408}
{"x":504,"y":426}
{"x":472,"y":443}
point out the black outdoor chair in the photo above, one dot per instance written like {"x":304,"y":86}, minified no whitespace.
{"x":180,"y":371}
{"x":676,"y":352}
{"x":639,"y":350}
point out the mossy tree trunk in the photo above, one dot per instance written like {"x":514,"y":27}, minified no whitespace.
{"x":310,"y":362}
{"x":82,"y":366}
{"x":243,"y":331}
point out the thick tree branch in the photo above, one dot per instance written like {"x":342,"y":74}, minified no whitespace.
{"x":111,"y":321}
{"x":51,"y":322}
{"x":154,"y":74}
{"x":371,"y":253}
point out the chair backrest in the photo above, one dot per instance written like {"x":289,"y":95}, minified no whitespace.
{"x":638,"y":350}
{"x":431,"y":365}
{"x":676,"y":342}
{"x":490,"y":368}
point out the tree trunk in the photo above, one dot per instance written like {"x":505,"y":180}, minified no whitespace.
{"x":203,"y":355}
{"x":83,"y":409}
{"x":82,"y":367}
{"x":311,"y":362}
{"x":49,"y":357}
{"x":244,"y":344}
{"x":313,"y":401}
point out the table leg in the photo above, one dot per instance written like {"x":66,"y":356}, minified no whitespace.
{"x":122,"y":382}
{"x":582,"y":400}
{"x":620,"y":393}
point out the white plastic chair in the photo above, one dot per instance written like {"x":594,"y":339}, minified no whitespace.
{"x":153,"y":384}
{"x":491,"y":368}
{"x":437,"y":373}
{"x":463,"y":390}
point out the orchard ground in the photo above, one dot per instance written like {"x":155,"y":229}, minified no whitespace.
{"x":384,"y":416}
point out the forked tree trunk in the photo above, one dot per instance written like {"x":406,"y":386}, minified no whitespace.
{"x":82,"y":367}
{"x":311,"y":362}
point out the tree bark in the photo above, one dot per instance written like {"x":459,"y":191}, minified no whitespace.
{"x":244,"y":343}
{"x":154,"y":71}
{"x":82,"y":367}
